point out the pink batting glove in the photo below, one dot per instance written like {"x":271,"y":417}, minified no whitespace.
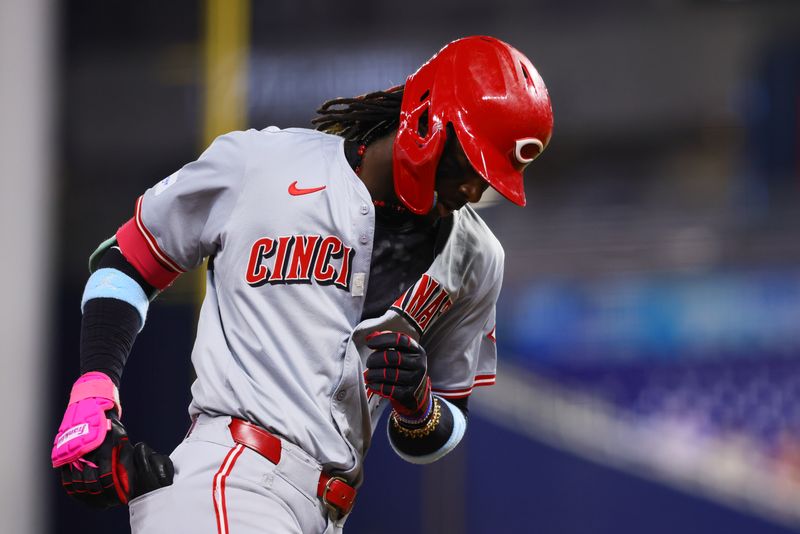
{"x":85,"y":424}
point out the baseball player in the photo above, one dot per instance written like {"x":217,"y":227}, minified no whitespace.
{"x":346,"y":274}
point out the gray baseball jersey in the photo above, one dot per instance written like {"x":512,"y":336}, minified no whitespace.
{"x":289,"y":229}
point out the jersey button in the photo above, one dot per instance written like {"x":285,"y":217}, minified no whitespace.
{"x":364,"y":239}
{"x":341,"y":395}
{"x":364,"y":209}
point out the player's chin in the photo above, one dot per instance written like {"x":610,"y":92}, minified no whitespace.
{"x":442,"y":210}
{"x":444,"y":207}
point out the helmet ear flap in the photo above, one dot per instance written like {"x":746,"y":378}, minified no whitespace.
{"x":422,"y":124}
{"x":422,"y":121}
{"x":417,"y":150}
{"x":419,"y":118}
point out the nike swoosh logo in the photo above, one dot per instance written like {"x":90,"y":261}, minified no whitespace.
{"x":297,"y":191}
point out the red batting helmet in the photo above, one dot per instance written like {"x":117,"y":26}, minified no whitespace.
{"x":498,"y":105}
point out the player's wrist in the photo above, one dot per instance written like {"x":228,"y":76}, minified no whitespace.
{"x":96,"y":384}
{"x":415,"y":407}
{"x":435,"y":441}
{"x":417,"y":417}
{"x":421,"y":428}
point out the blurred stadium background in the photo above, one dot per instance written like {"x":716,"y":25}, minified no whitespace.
{"x":649,"y":326}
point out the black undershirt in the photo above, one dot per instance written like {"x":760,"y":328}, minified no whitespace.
{"x":403,"y":248}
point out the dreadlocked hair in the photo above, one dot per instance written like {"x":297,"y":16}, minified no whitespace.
{"x":362,"y":118}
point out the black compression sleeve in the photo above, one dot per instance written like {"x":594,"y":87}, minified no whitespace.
{"x":109,"y":326}
{"x":108,"y":329}
{"x":435,"y":440}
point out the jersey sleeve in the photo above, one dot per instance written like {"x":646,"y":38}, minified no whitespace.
{"x":180,"y":221}
{"x":462,"y":353}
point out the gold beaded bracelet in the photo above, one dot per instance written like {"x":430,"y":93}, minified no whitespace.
{"x":421,"y":432}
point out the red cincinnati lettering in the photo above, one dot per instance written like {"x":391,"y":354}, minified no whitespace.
{"x":284,"y":243}
{"x":343,"y":280}
{"x":256,"y":272}
{"x":330,"y":247}
{"x":425,"y":288}
{"x":430,"y":311}
{"x":305,"y":247}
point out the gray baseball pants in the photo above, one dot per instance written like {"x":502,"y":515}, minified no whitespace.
{"x":222,"y":487}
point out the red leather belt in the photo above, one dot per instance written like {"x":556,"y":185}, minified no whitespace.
{"x":335,"y":492}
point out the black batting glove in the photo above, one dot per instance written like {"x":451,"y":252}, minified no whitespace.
{"x":117,"y":471}
{"x":398,"y":370}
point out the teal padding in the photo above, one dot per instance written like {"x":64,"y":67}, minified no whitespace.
{"x":94,"y":259}
{"x":114,"y":284}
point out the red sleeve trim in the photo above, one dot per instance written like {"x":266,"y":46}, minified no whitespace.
{"x":140,"y":248}
{"x":151,"y":240}
{"x":480,"y":380}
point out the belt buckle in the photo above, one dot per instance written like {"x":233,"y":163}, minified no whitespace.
{"x":332,"y":508}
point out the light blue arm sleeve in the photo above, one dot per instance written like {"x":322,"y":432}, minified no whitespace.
{"x":114,"y":284}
